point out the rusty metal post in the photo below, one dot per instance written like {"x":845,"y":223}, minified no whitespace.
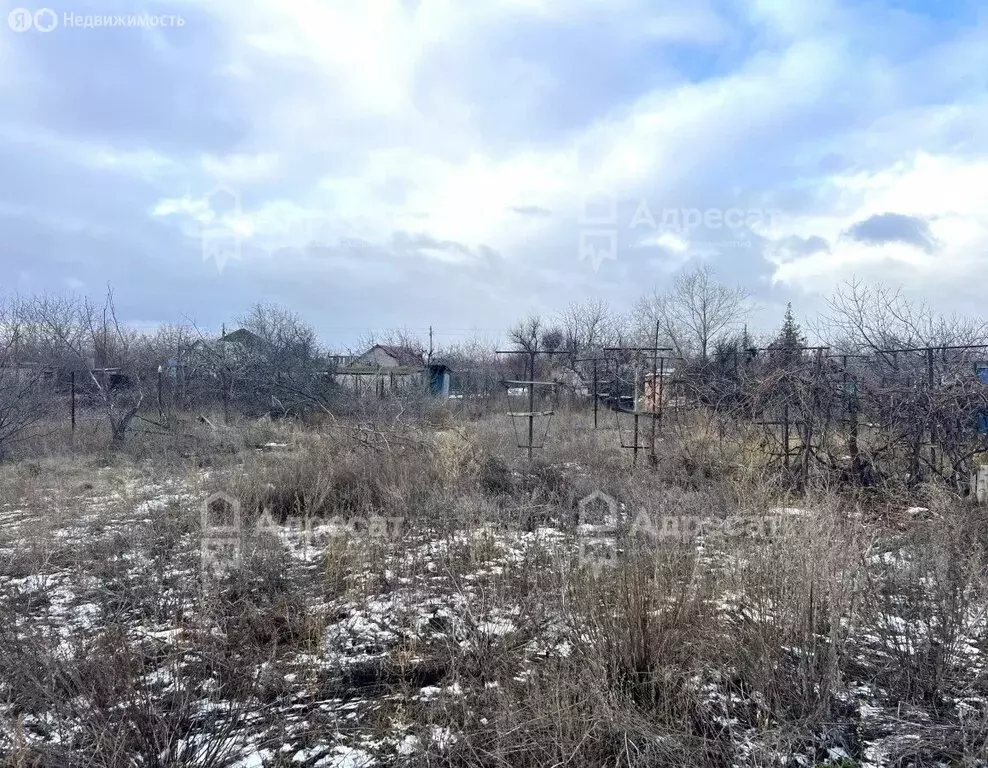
{"x":531,"y":403}
{"x":595,"y":396}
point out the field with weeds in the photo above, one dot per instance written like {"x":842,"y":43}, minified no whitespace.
{"x":414,"y":591}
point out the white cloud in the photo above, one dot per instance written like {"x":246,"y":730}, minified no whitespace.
{"x":948,"y":192}
{"x":342,"y":122}
{"x":666,"y":240}
{"x":467,"y":196}
{"x":426,"y":167}
{"x":240,"y":168}
{"x":138,"y":163}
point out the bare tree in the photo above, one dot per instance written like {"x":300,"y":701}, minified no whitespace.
{"x":552,"y":340}
{"x":273,"y":367}
{"x":280,"y":367}
{"x":864,"y":318}
{"x":287,"y":340}
{"x":695,"y":312}
{"x":588,"y":326}
{"x":527,"y":334}
{"x":91,"y":338}
{"x":474,"y":365}
{"x":912,"y":371}
{"x":22,"y":382}
{"x":476,"y":349}
{"x":172,"y":347}
{"x":402,"y":338}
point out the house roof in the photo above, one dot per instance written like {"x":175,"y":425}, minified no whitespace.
{"x":375,"y":370}
{"x":243,"y":336}
{"x":405,"y":356}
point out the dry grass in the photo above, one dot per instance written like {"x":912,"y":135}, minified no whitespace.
{"x":472,"y":629}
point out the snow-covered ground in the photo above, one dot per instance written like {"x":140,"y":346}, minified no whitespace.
{"x":369,"y":635}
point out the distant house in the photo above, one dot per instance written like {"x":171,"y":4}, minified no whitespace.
{"x":387,"y":369}
{"x":207,"y":358}
{"x":61,"y":376}
{"x":572,"y":381}
{"x":390,"y":356}
{"x":30,"y":370}
{"x":244,"y":339}
{"x":233,"y":343}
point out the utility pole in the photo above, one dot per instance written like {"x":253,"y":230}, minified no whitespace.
{"x":17,"y":354}
{"x":179,"y":398}
{"x":596,"y":383}
{"x":634,"y":408}
{"x":931,"y":404}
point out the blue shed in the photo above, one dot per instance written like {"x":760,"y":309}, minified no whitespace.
{"x":439,"y":376}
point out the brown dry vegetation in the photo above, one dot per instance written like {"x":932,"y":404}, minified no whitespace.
{"x":446,"y":608}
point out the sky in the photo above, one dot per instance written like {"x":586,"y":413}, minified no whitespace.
{"x":464,"y":163}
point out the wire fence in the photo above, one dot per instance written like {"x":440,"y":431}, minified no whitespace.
{"x":888,"y":415}
{"x":865,"y":417}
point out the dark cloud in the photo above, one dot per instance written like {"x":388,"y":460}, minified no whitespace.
{"x":893,"y":228}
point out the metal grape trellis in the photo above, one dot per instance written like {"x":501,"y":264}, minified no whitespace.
{"x":653,"y":409}
{"x":903,"y":414}
{"x":909,"y":414}
{"x":523,"y":422}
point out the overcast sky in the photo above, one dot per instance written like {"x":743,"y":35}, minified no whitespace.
{"x":375,"y":163}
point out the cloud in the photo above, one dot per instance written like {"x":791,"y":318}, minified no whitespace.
{"x":886,"y":228}
{"x":384,"y":147}
{"x":930,"y":249}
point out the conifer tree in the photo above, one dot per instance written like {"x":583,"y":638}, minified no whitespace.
{"x":787,"y":347}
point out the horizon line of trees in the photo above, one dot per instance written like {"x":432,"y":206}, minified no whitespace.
{"x":904,"y":376}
